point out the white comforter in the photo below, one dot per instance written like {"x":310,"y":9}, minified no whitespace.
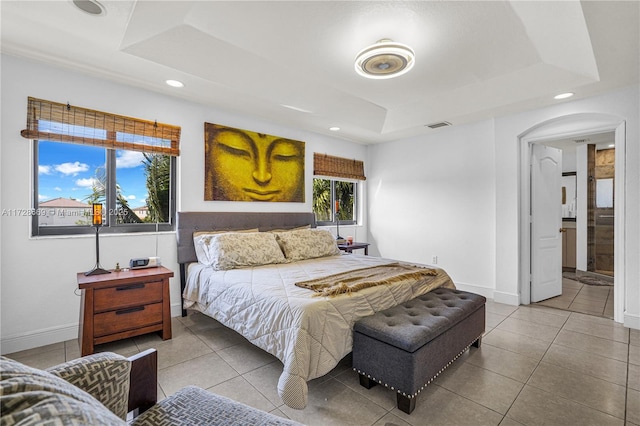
{"x":310,"y":335}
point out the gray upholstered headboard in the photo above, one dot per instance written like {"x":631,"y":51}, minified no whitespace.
{"x":188,"y":222}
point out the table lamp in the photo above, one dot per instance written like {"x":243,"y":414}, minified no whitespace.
{"x":339,"y":239}
{"x":96,"y":221}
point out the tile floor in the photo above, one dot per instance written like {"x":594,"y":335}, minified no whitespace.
{"x":536,"y":365}
{"x":584,"y":298}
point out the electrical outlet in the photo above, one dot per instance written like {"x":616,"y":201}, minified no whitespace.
{"x":434,"y":260}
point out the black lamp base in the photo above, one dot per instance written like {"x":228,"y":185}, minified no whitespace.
{"x":97,"y":271}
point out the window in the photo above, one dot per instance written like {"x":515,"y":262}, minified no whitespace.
{"x":328,"y":192}
{"x":338,"y":191}
{"x":83,"y":157}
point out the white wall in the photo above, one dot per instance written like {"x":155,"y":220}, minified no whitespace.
{"x":569,"y":161}
{"x":38,"y":275}
{"x":434,"y":195}
{"x":455,"y":194}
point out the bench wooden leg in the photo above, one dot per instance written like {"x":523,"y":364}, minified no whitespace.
{"x":405,"y":403}
{"x":366,"y":382}
{"x":477,"y":343}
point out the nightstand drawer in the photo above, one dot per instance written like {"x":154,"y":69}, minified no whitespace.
{"x":126,"y":319}
{"x":108,"y":299}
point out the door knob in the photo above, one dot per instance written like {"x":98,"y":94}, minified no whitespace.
{"x":562,"y":230}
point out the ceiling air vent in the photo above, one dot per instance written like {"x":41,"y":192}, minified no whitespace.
{"x":585,"y":140}
{"x":440,"y":124}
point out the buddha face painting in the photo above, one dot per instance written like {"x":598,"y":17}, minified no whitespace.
{"x":246,"y":166}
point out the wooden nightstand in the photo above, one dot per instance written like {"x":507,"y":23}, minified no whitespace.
{"x":123,"y":304}
{"x":349,"y":248}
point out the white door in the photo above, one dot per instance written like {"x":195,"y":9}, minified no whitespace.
{"x":546,"y":222}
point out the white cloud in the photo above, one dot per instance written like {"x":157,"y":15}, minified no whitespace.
{"x":44,"y":170}
{"x":129,"y":159}
{"x":57,"y":188}
{"x":71,"y":168}
{"x":131,"y":197}
{"x":43,"y":197}
{"x":86,"y":183}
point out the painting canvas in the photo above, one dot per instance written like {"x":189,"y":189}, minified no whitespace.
{"x":241,"y":165}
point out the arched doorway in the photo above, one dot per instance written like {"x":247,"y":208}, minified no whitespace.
{"x":573,"y":126}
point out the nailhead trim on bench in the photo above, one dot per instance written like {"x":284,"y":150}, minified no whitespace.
{"x":430,"y":380}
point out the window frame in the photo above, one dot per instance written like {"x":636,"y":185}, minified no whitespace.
{"x":356,"y":201}
{"x":111,"y":226}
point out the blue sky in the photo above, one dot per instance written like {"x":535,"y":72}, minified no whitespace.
{"x":68,"y":171}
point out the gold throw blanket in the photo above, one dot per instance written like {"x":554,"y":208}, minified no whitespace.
{"x":350,"y":281}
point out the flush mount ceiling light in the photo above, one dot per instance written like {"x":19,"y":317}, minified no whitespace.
{"x":385,"y":59}
{"x":91,"y":7}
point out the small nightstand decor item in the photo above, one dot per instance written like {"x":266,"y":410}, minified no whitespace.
{"x":96,"y":220}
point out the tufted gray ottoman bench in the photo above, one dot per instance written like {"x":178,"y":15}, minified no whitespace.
{"x":405,"y":347}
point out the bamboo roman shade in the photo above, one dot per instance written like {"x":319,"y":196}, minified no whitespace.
{"x":327,"y":165}
{"x":52,"y":121}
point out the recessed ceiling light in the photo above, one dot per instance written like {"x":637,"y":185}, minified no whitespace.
{"x":92,"y":7}
{"x":563,"y":95}
{"x":385,"y":59}
{"x":334,"y":128}
{"x":175,"y":83}
{"x":611,"y":145}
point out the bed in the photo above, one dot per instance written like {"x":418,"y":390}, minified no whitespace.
{"x":308,"y":332}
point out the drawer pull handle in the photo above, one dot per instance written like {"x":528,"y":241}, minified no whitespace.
{"x":130,"y":310}
{"x":130,"y":287}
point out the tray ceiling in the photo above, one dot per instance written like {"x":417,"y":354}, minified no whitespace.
{"x":474,"y":60}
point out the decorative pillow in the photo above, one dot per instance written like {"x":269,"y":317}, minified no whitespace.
{"x":201,"y":240}
{"x":287,"y":229}
{"x":307,"y":244}
{"x":223,"y":231}
{"x":112,"y":390}
{"x":237,"y":250}
{"x":29,"y":396}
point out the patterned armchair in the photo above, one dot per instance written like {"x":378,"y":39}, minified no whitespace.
{"x":102,"y":389}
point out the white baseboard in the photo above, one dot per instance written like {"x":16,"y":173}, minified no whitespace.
{"x":52,"y":335}
{"x":176,"y":310}
{"x":472,"y":288}
{"x":506,"y":298}
{"x":632,"y":321}
{"x":38,"y":338}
